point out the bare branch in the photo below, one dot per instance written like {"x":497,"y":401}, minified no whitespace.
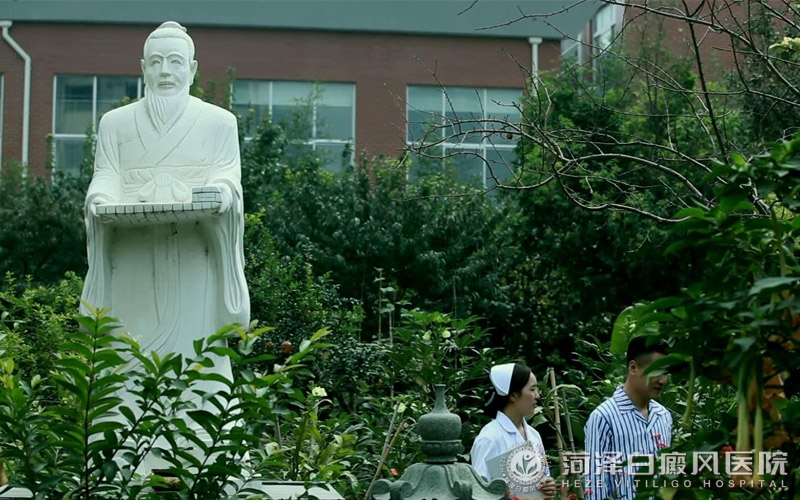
{"x":470,"y":6}
{"x":649,"y":127}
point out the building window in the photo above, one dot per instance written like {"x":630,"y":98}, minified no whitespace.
{"x":457,"y":123}
{"x":604,"y":28}
{"x":571,"y":50}
{"x":79,"y":102}
{"x":318,"y":116}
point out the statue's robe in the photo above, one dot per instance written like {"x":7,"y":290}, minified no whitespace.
{"x":168,"y":284}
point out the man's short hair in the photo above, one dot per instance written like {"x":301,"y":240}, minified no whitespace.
{"x":171,"y":29}
{"x":645,"y":344}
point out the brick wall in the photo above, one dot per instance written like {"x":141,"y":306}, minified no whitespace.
{"x":381,"y":65}
{"x":12,"y":69}
{"x":676,"y":34}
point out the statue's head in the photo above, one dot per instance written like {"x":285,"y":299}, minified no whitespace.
{"x":168,"y":66}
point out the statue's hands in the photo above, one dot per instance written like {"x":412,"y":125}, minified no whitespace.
{"x":94,"y":202}
{"x":227,"y":198}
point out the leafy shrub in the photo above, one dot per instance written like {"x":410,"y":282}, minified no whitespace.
{"x":91,"y":442}
{"x":286,"y":295}
{"x":35,"y":319}
{"x":42,"y":234}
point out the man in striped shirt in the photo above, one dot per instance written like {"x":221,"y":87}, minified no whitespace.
{"x":629,"y":427}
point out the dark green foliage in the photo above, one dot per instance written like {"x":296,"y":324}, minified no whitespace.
{"x":351,"y":371}
{"x":286,"y":295}
{"x":582,"y":256}
{"x":772,"y":107}
{"x":428,"y":348}
{"x":261,"y":163}
{"x":90,"y":443}
{"x":623,"y":142}
{"x":579,"y":267}
{"x":41,"y":225}
{"x":435,"y":248}
{"x":34,"y":320}
{"x":734,"y":331}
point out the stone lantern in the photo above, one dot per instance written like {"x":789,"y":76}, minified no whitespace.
{"x":440,"y":477}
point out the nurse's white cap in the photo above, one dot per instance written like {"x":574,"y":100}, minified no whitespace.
{"x":500,"y":375}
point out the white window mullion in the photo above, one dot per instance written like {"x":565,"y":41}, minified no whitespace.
{"x":443,"y":119}
{"x":353,"y":130}
{"x":485,"y":113}
{"x":52,"y":152}
{"x":94,"y":104}
{"x":55,"y":102}
{"x":270,"y":103}
{"x":482,"y":146}
{"x":314,"y":101}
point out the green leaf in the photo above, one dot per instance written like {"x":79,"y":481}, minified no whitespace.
{"x":78,"y":348}
{"x":771,"y":284}
{"x":127,"y":413}
{"x":633,"y":320}
{"x":732,"y":203}
{"x":662,"y":365}
{"x":692,"y":212}
{"x":745,"y":343}
{"x":322,"y":332}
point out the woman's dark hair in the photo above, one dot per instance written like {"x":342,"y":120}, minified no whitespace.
{"x":495,"y":402}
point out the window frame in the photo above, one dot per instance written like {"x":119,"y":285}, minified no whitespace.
{"x":485,"y":145}
{"x":574,"y":44}
{"x":603,"y":32}
{"x":317,"y":89}
{"x":95,"y":119}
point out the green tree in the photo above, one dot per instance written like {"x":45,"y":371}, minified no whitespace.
{"x":41,"y":225}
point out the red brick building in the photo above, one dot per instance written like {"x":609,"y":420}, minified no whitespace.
{"x":376,"y":63}
{"x":680,"y":28}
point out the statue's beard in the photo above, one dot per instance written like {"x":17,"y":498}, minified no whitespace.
{"x":164,"y":110}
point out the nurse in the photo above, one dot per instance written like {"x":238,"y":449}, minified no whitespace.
{"x":514,"y":396}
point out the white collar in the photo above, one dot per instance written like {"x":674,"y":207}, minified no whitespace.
{"x":507,"y":425}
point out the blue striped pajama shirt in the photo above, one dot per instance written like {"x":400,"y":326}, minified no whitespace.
{"x":615,"y":430}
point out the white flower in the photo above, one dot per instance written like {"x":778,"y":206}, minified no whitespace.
{"x":401,"y":408}
{"x":427,"y":335}
{"x":446,"y":334}
{"x":277,"y":368}
{"x":319,"y":392}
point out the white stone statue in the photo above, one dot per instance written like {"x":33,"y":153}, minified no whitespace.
{"x":164,"y":212}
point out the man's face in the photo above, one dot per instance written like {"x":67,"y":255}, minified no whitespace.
{"x":166,"y":67}
{"x":649,"y":386}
